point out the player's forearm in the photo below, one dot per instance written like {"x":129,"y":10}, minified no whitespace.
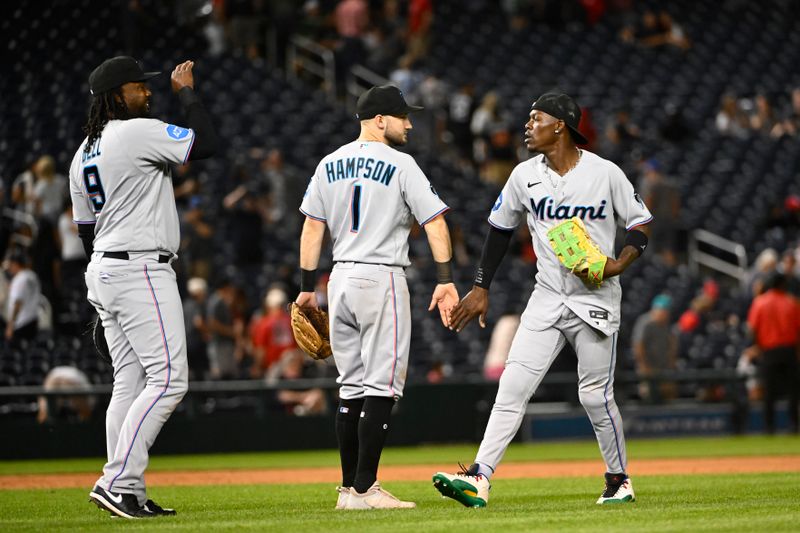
{"x":206,"y":141}
{"x":439,"y":239}
{"x":635,"y":245}
{"x":310,"y":248}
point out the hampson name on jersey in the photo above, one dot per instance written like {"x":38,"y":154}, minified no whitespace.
{"x":545,"y":209}
{"x":360,"y":167}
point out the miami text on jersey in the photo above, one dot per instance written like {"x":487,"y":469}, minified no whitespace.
{"x":545,"y":209}
{"x":359,"y":167}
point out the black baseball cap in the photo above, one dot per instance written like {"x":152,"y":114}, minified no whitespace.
{"x":383,"y":100}
{"x":564,"y":108}
{"x":115,"y":72}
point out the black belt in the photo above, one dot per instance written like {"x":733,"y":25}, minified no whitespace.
{"x":126,"y":257}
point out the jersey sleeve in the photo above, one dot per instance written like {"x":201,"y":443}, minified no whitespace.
{"x":157,"y":142}
{"x":628,"y":204}
{"x":82,"y":209}
{"x":419,"y":194}
{"x":312,"y":205}
{"x":508,"y":210}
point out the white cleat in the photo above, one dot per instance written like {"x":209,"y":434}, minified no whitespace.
{"x":375,"y":498}
{"x":344,"y":495}
{"x":617,"y":493}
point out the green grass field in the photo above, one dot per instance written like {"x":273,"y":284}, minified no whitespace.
{"x":664,"y":503}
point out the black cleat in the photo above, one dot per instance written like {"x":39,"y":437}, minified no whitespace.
{"x":117,"y":503}
{"x":151,"y":508}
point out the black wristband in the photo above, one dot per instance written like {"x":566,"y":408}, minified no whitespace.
{"x":444,"y":272}
{"x":187,"y":97}
{"x":637,"y":239}
{"x":308,"y":280}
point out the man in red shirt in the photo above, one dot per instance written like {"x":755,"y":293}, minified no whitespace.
{"x":774,"y":319}
{"x":271,"y":333}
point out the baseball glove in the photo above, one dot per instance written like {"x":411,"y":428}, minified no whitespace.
{"x":310,"y":328}
{"x":99,"y":338}
{"x":576,"y":250}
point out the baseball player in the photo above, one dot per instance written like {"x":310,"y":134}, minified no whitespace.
{"x":124,"y":206}
{"x":561,"y":182}
{"x":367,"y":194}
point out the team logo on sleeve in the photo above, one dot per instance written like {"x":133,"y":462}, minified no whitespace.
{"x":176,"y":132}
{"x":498,"y":203}
{"x":434,"y":191}
{"x":638,"y":199}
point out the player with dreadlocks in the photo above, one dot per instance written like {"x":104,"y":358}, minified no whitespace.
{"x":124,"y":205}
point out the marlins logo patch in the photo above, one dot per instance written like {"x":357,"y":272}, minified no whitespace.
{"x":176,"y":132}
{"x":498,"y":203}
{"x":638,"y":199}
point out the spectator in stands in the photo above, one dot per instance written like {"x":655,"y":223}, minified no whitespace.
{"x":247,"y":205}
{"x":222,"y":333}
{"x":656,"y":30}
{"x":407,"y":77}
{"x":197,"y":334}
{"x":270,"y":332}
{"x":73,"y":257}
{"x":774,"y":319}
{"x":186,"y":184}
{"x":460,"y":108}
{"x":762,"y":117}
{"x":245,"y":29}
{"x":284,"y":186}
{"x":499,"y":345}
{"x":587,"y":128}
{"x":24,"y":293}
{"x":49,"y":191}
{"x":622,"y":134}
{"x":655,"y":348}
{"x":197,"y":240}
{"x":788,"y":267}
{"x":292,"y":366}
{"x":73,"y":407}
{"x":352,"y":21}
{"x":22,"y":196}
{"x":731,"y":121}
{"x":765,"y":264}
{"x":321,"y":291}
{"x":674,"y":128}
{"x":663,"y":198}
{"x":790,"y":123}
{"x":420,"y":22}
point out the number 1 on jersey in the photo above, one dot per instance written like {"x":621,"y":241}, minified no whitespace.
{"x":355,"y":209}
{"x":94,"y":187}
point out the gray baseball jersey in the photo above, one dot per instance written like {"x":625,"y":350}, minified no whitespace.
{"x":123,"y":185}
{"x":596,"y":191}
{"x":562,"y":309}
{"x":368,"y":195}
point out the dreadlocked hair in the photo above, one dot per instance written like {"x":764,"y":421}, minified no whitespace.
{"x":105,"y":106}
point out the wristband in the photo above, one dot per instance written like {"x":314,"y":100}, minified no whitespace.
{"x":444,"y":272}
{"x":308,"y":280}
{"x":637,"y":239}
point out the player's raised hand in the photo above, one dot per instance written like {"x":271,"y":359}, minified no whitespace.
{"x":182,"y":76}
{"x":475,"y":303}
{"x":307,"y":299}
{"x":445,"y":297}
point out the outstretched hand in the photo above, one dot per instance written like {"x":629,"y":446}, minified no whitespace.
{"x":445,"y":297}
{"x":182,"y":76}
{"x":475,"y":303}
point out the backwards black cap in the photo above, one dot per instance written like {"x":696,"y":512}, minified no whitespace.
{"x":563,"y":108}
{"x":383,"y":100}
{"x":115,"y":72}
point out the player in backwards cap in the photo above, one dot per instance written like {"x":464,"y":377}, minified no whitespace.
{"x":124,"y":206}
{"x":368,"y":194}
{"x":561,"y":182}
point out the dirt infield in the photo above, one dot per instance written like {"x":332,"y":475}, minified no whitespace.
{"x":716,"y":465}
